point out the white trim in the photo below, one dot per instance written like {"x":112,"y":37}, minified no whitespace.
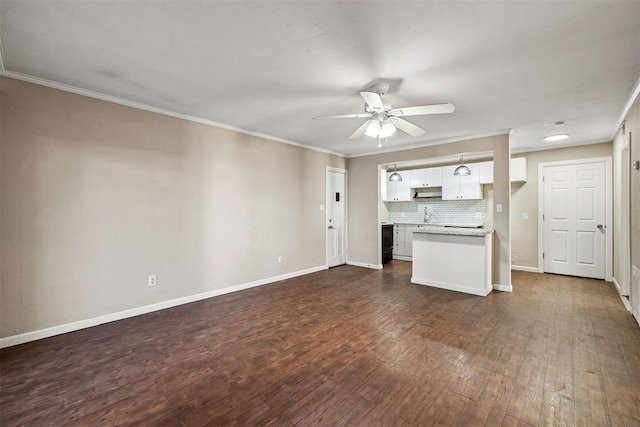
{"x":2,"y":68}
{"x":121,"y":101}
{"x":626,"y":303}
{"x":502,"y":288}
{"x":617,"y":285}
{"x":450,"y":286}
{"x":635,"y":92}
{"x":525,"y":268}
{"x":400,"y":257}
{"x":364,"y":264}
{"x":432,"y":143}
{"x":95,"y":321}
{"x":547,"y":147}
{"x":608,"y":187}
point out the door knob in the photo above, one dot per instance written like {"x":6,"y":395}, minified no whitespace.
{"x":330,"y":227}
{"x":600,"y":226}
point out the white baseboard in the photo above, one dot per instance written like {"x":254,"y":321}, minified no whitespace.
{"x":617,"y":285}
{"x":451,"y":286}
{"x":403,"y":257}
{"x":626,"y":303}
{"x":525,"y":268}
{"x":95,"y":321}
{"x":365,"y":265}
{"x":502,"y":288}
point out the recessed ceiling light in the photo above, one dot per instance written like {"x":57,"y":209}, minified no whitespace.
{"x":557,"y":137}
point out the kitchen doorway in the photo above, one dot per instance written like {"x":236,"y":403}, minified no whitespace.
{"x":575,"y":225}
{"x":336,"y":216}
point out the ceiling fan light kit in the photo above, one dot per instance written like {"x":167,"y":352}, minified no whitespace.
{"x":384,"y":119}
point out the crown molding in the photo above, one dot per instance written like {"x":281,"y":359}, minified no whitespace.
{"x":558,"y":147}
{"x":140,"y":106}
{"x":635,"y":92}
{"x":432,"y":143}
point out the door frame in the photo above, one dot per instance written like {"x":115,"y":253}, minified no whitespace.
{"x":625,"y":220}
{"x":327,"y":197}
{"x":608,"y":201}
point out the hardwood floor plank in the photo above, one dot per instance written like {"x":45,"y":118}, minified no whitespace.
{"x":346,"y":346}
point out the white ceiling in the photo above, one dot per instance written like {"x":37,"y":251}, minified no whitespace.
{"x":270,"y":66}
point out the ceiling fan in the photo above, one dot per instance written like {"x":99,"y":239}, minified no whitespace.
{"x":384,"y":119}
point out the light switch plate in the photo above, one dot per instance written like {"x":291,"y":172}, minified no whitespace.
{"x":525,"y":215}
{"x":498,"y":208}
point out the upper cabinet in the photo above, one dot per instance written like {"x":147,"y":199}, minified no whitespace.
{"x":399,"y":191}
{"x":428,"y":177}
{"x":383,"y":184}
{"x":461,"y":187}
{"x":517,"y":170}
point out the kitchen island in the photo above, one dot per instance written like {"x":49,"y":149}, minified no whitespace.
{"x":457,"y":259}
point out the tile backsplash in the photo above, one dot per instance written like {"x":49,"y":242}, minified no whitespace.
{"x":462,"y":211}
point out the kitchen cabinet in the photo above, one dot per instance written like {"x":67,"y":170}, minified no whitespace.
{"x":399,"y":191}
{"x":517,"y":170}
{"x":427,"y":177}
{"x":486,"y":172}
{"x":398,"y":241}
{"x":403,"y":240}
{"x":383,"y":184}
{"x":461,"y":187}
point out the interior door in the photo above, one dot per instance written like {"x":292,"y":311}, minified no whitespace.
{"x":336,"y":215}
{"x":574,"y":219}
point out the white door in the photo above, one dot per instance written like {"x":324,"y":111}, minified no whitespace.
{"x":574,"y":219}
{"x":336,"y":215}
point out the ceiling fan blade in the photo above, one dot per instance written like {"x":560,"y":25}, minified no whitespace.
{"x":407,"y":127}
{"x":360,"y":131}
{"x":344,"y":116}
{"x":423,"y":109}
{"x":373,"y":100}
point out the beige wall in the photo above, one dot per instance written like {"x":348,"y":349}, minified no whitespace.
{"x":364,"y":197}
{"x":97,"y":196}
{"x":524,"y":199}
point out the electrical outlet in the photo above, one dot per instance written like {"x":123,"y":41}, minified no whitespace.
{"x":321,"y":207}
{"x":478,"y":215}
{"x":280,"y":259}
{"x":153,"y":280}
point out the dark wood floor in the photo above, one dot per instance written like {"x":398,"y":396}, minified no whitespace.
{"x":348,"y":346}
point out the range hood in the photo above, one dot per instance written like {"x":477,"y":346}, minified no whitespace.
{"x":426,"y":193}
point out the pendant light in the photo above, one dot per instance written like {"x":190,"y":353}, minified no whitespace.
{"x":395,"y":176}
{"x":462,"y":170}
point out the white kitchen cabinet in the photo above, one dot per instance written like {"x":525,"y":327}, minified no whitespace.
{"x":517,"y":170}
{"x":399,"y":191}
{"x":427,"y":177}
{"x":461,"y":187}
{"x":486,"y":172}
{"x":383,"y":184}
{"x":399,"y":236}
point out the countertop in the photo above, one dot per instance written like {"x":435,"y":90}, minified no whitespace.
{"x":454,"y":231}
